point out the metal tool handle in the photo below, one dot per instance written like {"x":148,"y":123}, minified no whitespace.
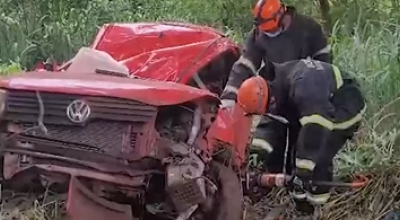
{"x":359,"y":182}
{"x":280,"y":180}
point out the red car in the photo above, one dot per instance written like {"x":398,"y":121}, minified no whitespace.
{"x":131,"y":126}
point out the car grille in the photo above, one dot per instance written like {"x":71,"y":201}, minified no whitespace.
{"x":113,"y":128}
{"x":110,"y":138}
{"x":23,"y":106}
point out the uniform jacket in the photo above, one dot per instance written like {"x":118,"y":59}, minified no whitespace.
{"x":303,"y":38}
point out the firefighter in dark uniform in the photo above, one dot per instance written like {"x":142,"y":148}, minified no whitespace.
{"x":323,"y":106}
{"x":280,"y":34}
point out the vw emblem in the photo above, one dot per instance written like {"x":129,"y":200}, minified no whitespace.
{"x":78,"y":111}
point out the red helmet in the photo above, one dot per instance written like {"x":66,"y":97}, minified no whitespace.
{"x":253,"y":95}
{"x":268,"y":14}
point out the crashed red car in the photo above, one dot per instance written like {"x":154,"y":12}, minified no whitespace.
{"x":131,"y":126}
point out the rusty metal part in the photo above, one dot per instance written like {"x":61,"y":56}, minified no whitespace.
{"x":82,"y":204}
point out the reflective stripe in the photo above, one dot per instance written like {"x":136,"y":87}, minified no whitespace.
{"x":228,"y":103}
{"x":346,"y":124}
{"x":298,"y":195}
{"x":231,"y":89}
{"x":316,"y":119}
{"x":318,"y":199}
{"x":247,"y":63}
{"x":324,"y":50}
{"x":279,"y":118}
{"x":257,"y":142}
{"x":338,"y":76}
{"x":305,"y":164}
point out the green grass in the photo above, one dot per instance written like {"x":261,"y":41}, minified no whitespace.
{"x":365,"y":41}
{"x":374,"y":59}
{"x":10,"y":68}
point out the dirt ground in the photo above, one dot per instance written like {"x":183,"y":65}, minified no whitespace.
{"x":373,"y":202}
{"x":25,"y":207}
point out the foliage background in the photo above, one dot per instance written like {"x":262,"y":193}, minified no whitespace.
{"x":365,"y":38}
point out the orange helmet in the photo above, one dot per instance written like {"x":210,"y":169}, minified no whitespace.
{"x":267,"y":14}
{"x":253,"y":95}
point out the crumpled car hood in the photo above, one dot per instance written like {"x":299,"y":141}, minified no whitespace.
{"x":162,"y":51}
{"x":147,"y":91}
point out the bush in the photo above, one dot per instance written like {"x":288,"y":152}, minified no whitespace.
{"x":10,"y":68}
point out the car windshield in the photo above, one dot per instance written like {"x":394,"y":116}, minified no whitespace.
{"x":90,"y":60}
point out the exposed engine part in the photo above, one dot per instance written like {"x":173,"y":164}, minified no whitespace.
{"x":257,"y":179}
{"x":196,"y":125}
{"x":186,"y":214}
{"x":175,"y":123}
{"x":161,"y":209}
{"x":278,"y":180}
{"x":184,"y":184}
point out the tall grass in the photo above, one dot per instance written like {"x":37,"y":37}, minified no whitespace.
{"x":372,"y":54}
{"x":365,"y":41}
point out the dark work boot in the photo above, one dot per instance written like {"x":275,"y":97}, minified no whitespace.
{"x":304,"y":210}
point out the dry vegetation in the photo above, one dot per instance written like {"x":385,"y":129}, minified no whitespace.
{"x":365,"y":38}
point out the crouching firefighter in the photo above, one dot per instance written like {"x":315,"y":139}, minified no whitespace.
{"x":323,"y":107}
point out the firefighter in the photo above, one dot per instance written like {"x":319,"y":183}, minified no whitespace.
{"x":280,"y":34}
{"x":323,"y":107}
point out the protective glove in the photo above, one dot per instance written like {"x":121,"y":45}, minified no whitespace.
{"x":228,"y":104}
